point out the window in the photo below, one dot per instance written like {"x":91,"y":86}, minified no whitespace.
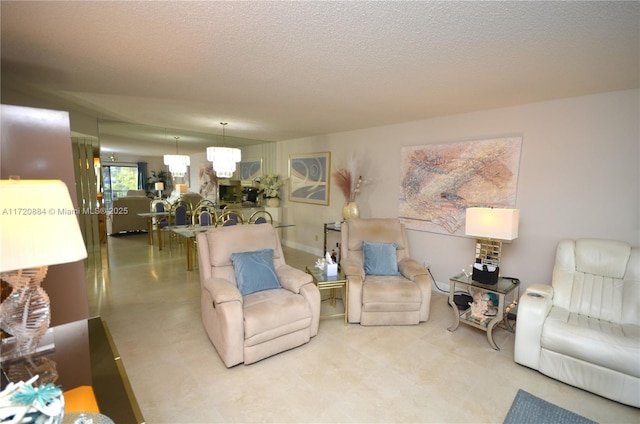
{"x":118,"y":179}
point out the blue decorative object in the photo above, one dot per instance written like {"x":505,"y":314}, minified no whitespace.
{"x":380,"y":258}
{"x":494,"y":299}
{"x":41,"y":395}
{"x":254,"y":271}
{"x":21,"y":402}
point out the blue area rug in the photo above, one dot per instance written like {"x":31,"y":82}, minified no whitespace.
{"x":526,"y":408}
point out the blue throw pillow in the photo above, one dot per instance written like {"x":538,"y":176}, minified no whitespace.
{"x":380,"y":258}
{"x":254,"y":271}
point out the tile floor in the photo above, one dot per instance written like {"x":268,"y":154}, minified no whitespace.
{"x":347,"y":374}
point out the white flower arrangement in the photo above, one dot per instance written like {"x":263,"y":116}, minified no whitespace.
{"x":269,"y":185}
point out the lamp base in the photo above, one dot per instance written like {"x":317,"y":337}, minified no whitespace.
{"x":488,"y":251}
{"x":11,"y":352}
{"x":25,"y":313}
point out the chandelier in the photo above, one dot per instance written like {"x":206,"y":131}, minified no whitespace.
{"x":223,"y":158}
{"x":177,"y":163}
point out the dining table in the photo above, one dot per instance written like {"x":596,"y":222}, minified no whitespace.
{"x":151,"y":216}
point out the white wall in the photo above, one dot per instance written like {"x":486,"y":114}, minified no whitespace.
{"x":579,"y":177}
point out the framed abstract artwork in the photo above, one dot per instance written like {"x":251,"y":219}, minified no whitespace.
{"x":439,"y":182}
{"x":250,"y":170}
{"x":309,"y":178}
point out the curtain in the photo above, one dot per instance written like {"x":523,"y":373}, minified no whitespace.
{"x":142,"y":176}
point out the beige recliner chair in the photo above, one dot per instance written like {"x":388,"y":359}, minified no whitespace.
{"x":123,"y":215}
{"x":246,"y":325}
{"x":386,"y":286}
{"x":584,"y":328}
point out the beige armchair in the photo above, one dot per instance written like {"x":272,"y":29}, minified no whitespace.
{"x":123,"y":215}
{"x":255,"y":325}
{"x":386,"y":286}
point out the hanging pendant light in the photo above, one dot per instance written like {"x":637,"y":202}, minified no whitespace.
{"x":224,"y":158}
{"x":177,"y":163}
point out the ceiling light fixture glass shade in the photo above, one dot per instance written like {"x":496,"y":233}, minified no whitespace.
{"x":177,"y":163}
{"x":224,"y":159}
{"x":39,"y":227}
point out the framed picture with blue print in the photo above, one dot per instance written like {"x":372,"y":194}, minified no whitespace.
{"x":250,"y":170}
{"x":309,"y":178}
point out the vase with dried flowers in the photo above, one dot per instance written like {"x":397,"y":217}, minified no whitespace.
{"x":350,"y":188}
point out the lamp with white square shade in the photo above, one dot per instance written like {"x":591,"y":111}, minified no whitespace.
{"x":159,"y":187}
{"x":491,"y":226}
{"x":38,"y":227}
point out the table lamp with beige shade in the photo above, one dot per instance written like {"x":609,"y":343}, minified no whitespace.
{"x":38,"y":227}
{"x":491,"y":226}
{"x":159,"y":186}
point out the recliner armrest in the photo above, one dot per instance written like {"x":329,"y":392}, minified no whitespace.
{"x":541,"y":289}
{"x":222,"y":290}
{"x":410,"y":268}
{"x":292,"y":278}
{"x":352,"y":267}
{"x":533,"y":308}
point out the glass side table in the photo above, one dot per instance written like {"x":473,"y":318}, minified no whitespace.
{"x":331,"y":226}
{"x":506,"y":290}
{"x":323,"y":282}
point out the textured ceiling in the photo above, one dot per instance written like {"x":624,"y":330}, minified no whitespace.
{"x":283,"y":70}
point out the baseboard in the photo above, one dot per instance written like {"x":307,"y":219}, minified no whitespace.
{"x":303,"y":247}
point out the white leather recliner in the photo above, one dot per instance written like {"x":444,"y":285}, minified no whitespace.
{"x":584,"y":329}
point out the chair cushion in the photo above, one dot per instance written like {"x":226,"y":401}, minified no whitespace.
{"x":274,"y":313}
{"x":380,"y":258}
{"x":599,"y":342}
{"x":390,"y":294}
{"x":254,"y":271}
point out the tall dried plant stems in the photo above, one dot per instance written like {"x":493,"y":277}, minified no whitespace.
{"x":343,"y":181}
{"x":356,"y":190}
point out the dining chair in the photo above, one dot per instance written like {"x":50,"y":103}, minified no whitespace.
{"x":234,"y":207}
{"x":230,"y":218}
{"x":205,"y":203}
{"x":180,"y":214}
{"x":261,"y":217}
{"x":205,"y":217}
{"x":204,"y":213}
{"x":162,"y":222}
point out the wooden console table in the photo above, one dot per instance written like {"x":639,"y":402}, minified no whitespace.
{"x":83,"y":354}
